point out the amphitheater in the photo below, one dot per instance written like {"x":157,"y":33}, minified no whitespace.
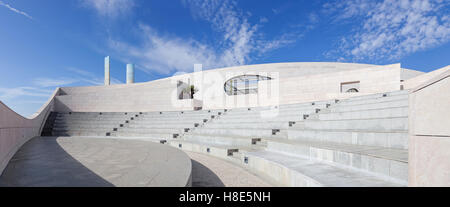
{"x":280,"y":124}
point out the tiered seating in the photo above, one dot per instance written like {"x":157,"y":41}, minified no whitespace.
{"x":360,"y":141}
{"x":153,"y":126}
{"x":86,"y":123}
{"x":366,"y":133}
{"x":163,"y":126}
{"x":246,"y":129}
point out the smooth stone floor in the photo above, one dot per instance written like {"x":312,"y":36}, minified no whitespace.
{"x":78,"y":161}
{"x":209,"y":171}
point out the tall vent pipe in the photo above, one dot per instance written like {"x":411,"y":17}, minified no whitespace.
{"x":107,"y":80}
{"x":130,"y":73}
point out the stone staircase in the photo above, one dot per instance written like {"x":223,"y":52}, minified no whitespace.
{"x":362,"y":137}
{"x":151,"y":126}
{"x":248,"y":129}
{"x":84,"y":123}
{"x":359,"y":141}
{"x":164,"y":126}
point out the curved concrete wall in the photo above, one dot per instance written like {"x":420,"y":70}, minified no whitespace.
{"x":292,"y":83}
{"x":159,"y":95}
{"x":15,"y":129}
{"x":289,"y":90}
{"x":419,"y":80}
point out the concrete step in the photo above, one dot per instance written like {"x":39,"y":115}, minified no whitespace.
{"x":155,"y":139}
{"x":184,"y":112}
{"x":178,"y":121}
{"x":363,"y":114}
{"x":161,"y":126}
{"x":157,"y":116}
{"x":313,"y":103}
{"x":172,"y":118}
{"x":91,"y":118}
{"x":380,"y":95}
{"x":398,"y":140}
{"x":280,"y":109}
{"x":93,"y":122}
{"x":360,"y":107}
{"x":373,"y":100}
{"x":83,"y":132}
{"x":225,"y":119}
{"x":296,"y":171}
{"x":268,"y":114}
{"x":220,"y":151}
{"x":87,"y":130}
{"x":226,"y":152}
{"x":241,"y":132}
{"x":144,"y":135}
{"x":221,"y":140}
{"x":124,"y":130}
{"x":262,"y":143}
{"x":285,"y":106}
{"x":236,"y":158}
{"x":248,"y":125}
{"x":91,"y":128}
{"x":84,"y":125}
{"x":156,"y":122}
{"x":384,"y":162}
{"x":379,"y":124}
{"x":98,"y":115}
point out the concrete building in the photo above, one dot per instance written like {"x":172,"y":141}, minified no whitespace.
{"x":294,"y":124}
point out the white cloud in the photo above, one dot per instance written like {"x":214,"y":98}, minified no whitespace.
{"x":282,"y":41}
{"x":263,"y":20}
{"x":164,"y":54}
{"x":237,"y":33}
{"x":83,"y":76}
{"x":110,"y":8}
{"x":313,"y":18}
{"x":240,"y":38}
{"x":15,"y":10}
{"x":20,"y":99}
{"x":391,"y":29}
{"x":44,"y":87}
{"x":11,"y":93}
{"x":78,"y":76}
{"x":275,"y":11}
{"x":238,"y":41}
{"x":49,"y":82}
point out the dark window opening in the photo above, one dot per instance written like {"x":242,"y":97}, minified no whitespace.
{"x":352,"y":90}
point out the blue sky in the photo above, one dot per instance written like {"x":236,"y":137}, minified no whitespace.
{"x":49,"y":43}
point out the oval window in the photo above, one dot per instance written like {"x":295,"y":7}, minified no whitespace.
{"x":352,"y":90}
{"x":243,"y":84}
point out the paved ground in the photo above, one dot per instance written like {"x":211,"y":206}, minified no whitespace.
{"x":208,"y":171}
{"x":78,"y":161}
{"x":75,"y":161}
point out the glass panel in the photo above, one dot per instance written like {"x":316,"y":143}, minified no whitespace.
{"x":244,"y":84}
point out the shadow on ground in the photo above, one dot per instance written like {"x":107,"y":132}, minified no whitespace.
{"x":42,"y":162}
{"x":202,"y":176}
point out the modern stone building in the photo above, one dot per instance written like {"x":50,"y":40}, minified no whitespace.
{"x":292,"y":124}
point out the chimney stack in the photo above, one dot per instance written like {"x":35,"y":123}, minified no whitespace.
{"x":130,"y":73}
{"x":107,"y":80}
